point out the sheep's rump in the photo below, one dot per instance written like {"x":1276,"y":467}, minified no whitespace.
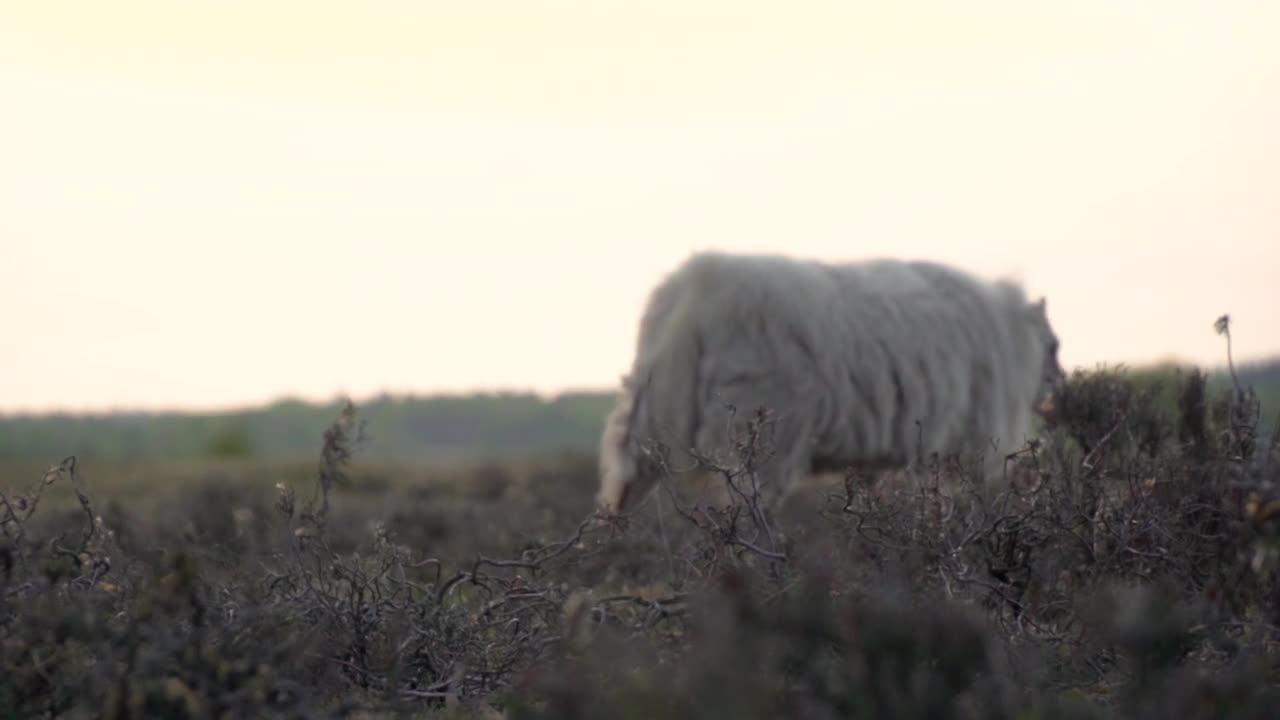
{"x":870,"y":363}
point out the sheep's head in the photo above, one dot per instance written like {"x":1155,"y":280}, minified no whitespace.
{"x":621,"y":482}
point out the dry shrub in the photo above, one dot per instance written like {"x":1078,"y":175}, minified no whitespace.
{"x":1129,"y":571}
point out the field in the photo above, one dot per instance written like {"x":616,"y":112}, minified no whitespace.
{"x":1131,"y":571}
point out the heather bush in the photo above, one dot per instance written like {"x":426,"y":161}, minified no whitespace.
{"x":1130,"y":570}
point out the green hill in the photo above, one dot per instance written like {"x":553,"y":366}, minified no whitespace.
{"x":399,"y":428}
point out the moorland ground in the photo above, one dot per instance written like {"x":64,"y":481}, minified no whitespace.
{"x":1130,"y":571}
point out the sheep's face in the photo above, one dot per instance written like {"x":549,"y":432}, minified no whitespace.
{"x":620,"y":486}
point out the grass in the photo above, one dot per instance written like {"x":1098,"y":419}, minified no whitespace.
{"x":1130,"y":571}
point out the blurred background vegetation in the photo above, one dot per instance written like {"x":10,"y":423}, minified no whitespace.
{"x":404,"y":428}
{"x":457,"y":428}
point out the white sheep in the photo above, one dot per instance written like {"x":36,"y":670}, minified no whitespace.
{"x":873,"y":363}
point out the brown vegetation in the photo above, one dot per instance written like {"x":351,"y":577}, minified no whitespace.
{"x":1130,"y":571}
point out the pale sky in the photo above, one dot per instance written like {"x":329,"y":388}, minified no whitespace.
{"x":209,"y":204}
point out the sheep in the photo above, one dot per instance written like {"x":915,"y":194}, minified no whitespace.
{"x":875,"y":363}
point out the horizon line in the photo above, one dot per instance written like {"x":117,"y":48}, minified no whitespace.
{"x":339,"y":396}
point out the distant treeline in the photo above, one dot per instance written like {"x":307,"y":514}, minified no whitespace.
{"x":397,"y":428}
{"x":403,"y":428}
